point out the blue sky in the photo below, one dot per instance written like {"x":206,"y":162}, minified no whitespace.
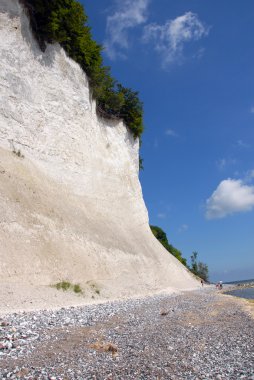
{"x":192,"y":62}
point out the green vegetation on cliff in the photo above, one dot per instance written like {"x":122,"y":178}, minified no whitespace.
{"x":65,"y":22}
{"x":162,"y":237}
{"x":197,"y":267}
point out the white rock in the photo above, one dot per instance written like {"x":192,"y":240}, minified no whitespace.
{"x":72,"y":207}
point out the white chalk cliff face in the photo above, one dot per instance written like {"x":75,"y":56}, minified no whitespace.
{"x":70,"y":198}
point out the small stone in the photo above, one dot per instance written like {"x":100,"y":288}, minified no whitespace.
{"x":4,"y":323}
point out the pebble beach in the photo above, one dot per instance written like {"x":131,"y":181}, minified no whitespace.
{"x":201,"y":334}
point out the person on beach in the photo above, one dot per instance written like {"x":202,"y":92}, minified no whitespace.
{"x":202,"y":282}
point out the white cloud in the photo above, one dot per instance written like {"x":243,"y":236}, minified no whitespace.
{"x":199,"y":54}
{"x":169,"y":39}
{"x":161,"y":215}
{"x":242,"y":144}
{"x":251,"y":173}
{"x":249,"y":176}
{"x":223,"y":163}
{"x":129,"y":14}
{"x":252,"y":110}
{"x":171,"y":132}
{"x":183,"y":228}
{"x":231,"y":196}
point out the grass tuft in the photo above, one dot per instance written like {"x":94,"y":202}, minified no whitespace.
{"x":77,"y":288}
{"x":66,"y":285}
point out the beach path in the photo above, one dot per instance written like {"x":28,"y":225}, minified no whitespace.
{"x":201,"y":334}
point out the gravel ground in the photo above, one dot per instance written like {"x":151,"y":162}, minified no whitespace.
{"x":195,"y":335}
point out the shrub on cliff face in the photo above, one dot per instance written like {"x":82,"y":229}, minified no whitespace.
{"x":162,"y":237}
{"x":131,"y":110}
{"x":65,"y":22}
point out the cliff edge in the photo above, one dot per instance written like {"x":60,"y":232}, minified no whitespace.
{"x":70,"y":198}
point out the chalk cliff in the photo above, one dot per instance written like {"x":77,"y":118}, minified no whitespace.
{"x":70,"y":198}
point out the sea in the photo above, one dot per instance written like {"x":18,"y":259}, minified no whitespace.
{"x":247,"y":293}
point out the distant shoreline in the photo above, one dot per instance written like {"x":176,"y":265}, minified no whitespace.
{"x":243,"y":291}
{"x":239,"y":285}
{"x":247,"y":281}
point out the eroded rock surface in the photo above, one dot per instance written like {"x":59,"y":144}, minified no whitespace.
{"x":70,"y":198}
